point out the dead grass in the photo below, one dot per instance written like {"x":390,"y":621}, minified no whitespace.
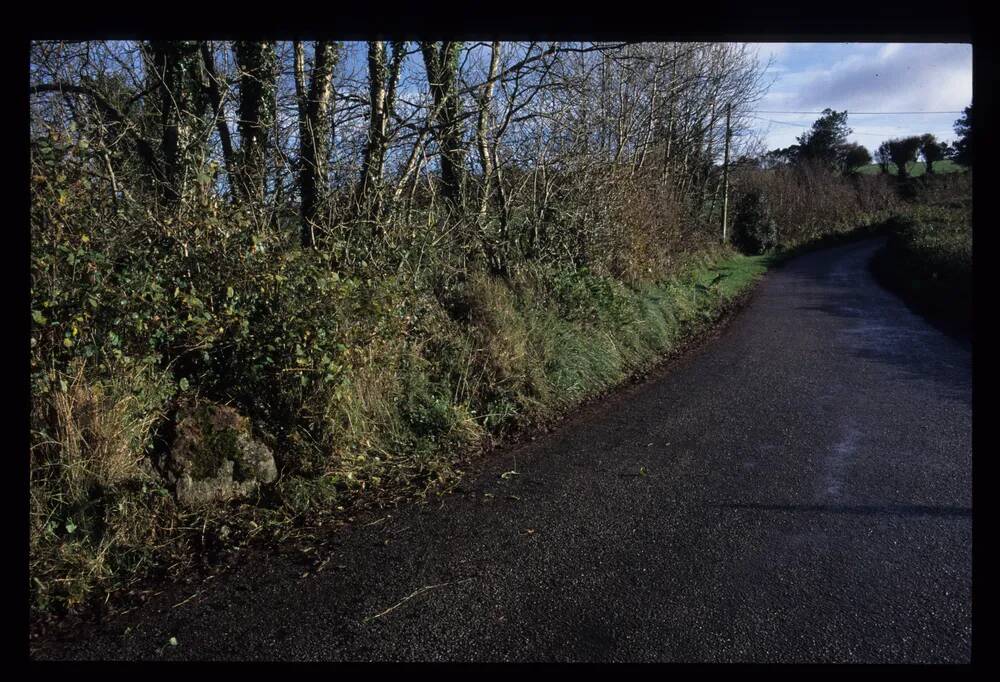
{"x":93,"y":493}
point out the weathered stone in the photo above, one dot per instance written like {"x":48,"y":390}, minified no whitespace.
{"x":256,"y":461}
{"x":214,"y":457}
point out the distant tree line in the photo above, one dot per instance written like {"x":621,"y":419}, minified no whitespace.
{"x":826,"y":145}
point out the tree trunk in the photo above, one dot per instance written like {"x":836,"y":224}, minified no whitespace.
{"x":314,"y":132}
{"x":441,"y":63}
{"x":482,"y":129}
{"x":382,"y":78}
{"x":257,"y":109}
{"x":215,"y":97}
{"x":171,"y":65}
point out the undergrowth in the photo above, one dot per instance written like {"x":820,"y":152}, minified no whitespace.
{"x":375,"y":391}
{"x":928,"y":255}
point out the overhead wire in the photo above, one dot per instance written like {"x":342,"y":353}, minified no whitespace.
{"x":806,"y":127}
{"x":861,"y":113}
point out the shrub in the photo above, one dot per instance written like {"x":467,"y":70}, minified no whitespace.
{"x":928,"y":259}
{"x":754,"y":230}
{"x":808,"y":203}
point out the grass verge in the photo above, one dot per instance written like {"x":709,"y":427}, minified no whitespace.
{"x":474,"y":367}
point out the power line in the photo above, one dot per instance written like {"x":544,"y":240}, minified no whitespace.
{"x":806,"y":127}
{"x":783,"y":123}
{"x":863,"y":113}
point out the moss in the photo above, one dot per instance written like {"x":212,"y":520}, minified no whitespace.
{"x":217,"y":430}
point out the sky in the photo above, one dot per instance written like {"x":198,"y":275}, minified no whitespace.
{"x":865,"y":77}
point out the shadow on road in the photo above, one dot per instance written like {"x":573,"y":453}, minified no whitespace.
{"x":863,"y":510}
{"x":880,"y":326}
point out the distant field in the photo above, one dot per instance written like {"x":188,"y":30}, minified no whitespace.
{"x":916,"y":169}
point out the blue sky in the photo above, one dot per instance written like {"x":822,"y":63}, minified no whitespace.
{"x":865,"y":77}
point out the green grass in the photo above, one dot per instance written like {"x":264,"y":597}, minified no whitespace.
{"x":633,"y":328}
{"x":916,"y":168}
{"x":741,"y":272}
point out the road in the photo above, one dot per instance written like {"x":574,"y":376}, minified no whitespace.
{"x":799,"y":489}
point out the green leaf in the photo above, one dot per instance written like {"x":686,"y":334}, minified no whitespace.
{"x":184,"y":384}
{"x":70,"y":527}
{"x":38,"y":317}
{"x":229,"y":292}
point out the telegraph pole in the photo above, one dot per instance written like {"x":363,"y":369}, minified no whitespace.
{"x":725,"y":175}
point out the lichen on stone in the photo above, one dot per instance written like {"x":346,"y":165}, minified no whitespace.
{"x":214,"y":456}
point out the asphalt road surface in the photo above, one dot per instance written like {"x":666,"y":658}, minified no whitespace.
{"x":799,"y":489}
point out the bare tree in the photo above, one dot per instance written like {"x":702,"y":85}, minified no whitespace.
{"x":383,"y":76}
{"x":563,"y":133}
{"x":482,"y":128}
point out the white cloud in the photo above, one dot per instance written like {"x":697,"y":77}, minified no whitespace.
{"x":889,"y":50}
{"x":766,"y":51}
{"x":869,"y":77}
{"x":911,"y":77}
